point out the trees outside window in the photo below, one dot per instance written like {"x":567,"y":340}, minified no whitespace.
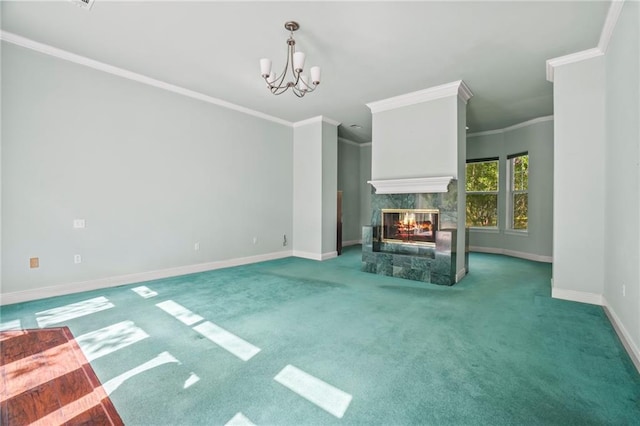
{"x":482,"y":193}
{"x":518,"y":197}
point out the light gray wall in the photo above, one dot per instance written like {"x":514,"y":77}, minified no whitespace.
{"x":579,"y":176}
{"x":307,"y":189}
{"x":622,"y":200}
{"x":365,"y":188}
{"x":329,"y":188}
{"x":537,"y":139}
{"x":416,"y":141}
{"x":150,"y":171}
{"x":315,"y":188}
{"x":349,"y":184}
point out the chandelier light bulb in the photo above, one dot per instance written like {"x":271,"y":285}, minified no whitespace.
{"x":304,"y":83}
{"x":265,"y":67}
{"x":298,"y":61}
{"x":315,"y":75}
{"x":291,"y":77}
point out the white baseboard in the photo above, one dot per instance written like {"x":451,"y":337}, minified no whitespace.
{"x":461,"y":274}
{"x":577,"y":296}
{"x":60,"y":290}
{"x":623,"y":334}
{"x":307,"y":255}
{"x":512,"y":253}
{"x":351,"y":243}
{"x":618,"y":326}
{"x":329,"y":255}
{"x":315,"y":256}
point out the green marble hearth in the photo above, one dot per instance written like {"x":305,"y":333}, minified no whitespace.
{"x":430,"y":264}
{"x":436,"y":265}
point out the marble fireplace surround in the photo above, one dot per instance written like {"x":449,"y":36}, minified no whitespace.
{"x":429,"y":264}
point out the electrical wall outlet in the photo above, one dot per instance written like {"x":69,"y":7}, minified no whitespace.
{"x":34,"y":262}
{"x":77,"y":259}
{"x":196,"y":246}
{"x":255,"y":240}
{"x":78,"y":223}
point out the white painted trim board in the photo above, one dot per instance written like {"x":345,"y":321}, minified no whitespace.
{"x":623,"y":334}
{"x":598,"y":299}
{"x":97,"y":284}
{"x":512,"y":253}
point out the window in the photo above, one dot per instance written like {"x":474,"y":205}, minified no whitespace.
{"x":518,"y":197}
{"x":482,"y":193}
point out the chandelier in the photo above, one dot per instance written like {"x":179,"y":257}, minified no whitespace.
{"x":299,"y":83}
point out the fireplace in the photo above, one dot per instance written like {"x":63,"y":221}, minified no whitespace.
{"x":415,"y":226}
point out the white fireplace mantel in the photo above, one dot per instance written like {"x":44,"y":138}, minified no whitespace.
{"x":412,"y":185}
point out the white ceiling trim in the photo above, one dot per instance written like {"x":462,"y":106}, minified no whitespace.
{"x":317,"y":119}
{"x":101,"y":66}
{"x":570,"y":59}
{"x":349,"y":142}
{"x":609,"y":24}
{"x":514,"y":127}
{"x":455,"y":88}
{"x":605,"y":37}
{"x":412,"y":185}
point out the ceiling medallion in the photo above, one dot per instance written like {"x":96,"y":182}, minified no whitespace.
{"x":299,"y":83}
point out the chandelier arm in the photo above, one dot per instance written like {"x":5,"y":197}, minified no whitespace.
{"x":309,"y":87}
{"x":279,"y":90}
{"x":273,"y":89}
{"x":279,"y":84}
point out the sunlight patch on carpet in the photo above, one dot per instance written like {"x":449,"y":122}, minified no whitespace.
{"x":319,"y":392}
{"x":144,"y":291}
{"x":179,"y":312}
{"x":228,"y":341}
{"x":192,"y":380}
{"x":10,"y":325}
{"x":163,"y":358}
{"x":239,"y":420}
{"x":109,"y":339}
{"x":72,"y":311}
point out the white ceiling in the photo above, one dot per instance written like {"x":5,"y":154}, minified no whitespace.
{"x":368,"y":51}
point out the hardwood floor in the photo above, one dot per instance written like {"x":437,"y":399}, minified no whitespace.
{"x":46,"y":380}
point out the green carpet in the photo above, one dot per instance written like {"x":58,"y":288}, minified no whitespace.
{"x":493,"y":349}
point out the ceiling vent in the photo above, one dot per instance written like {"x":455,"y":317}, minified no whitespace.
{"x":85,"y":4}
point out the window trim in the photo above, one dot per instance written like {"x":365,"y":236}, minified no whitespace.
{"x":511,"y":193}
{"x":495,"y":228}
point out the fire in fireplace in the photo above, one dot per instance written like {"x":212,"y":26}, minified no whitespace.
{"x":417,"y":226}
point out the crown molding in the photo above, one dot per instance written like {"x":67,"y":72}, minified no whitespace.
{"x":514,"y":127}
{"x":570,"y":59}
{"x":316,"y":119}
{"x":609,"y":24}
{"x":412,"y":185}
{"x":605,"y":37}
{"x":330,"y":121}
{"x":348,"y":142}
{"x":464,"y":92}
{"x":455,"y":88}
{"x":140,"y":78}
